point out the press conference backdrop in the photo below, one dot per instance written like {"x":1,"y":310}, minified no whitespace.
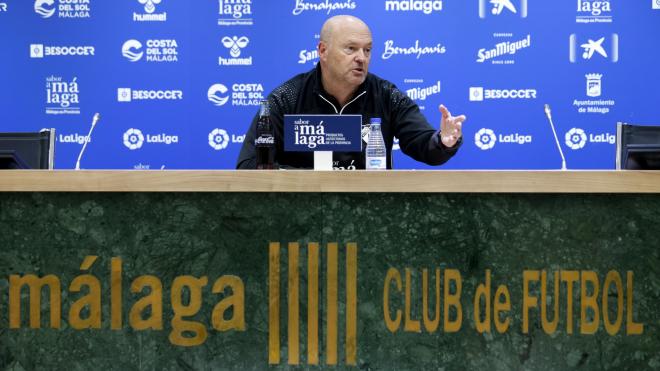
{"x":177,"y":82}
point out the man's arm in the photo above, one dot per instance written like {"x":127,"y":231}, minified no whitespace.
{"x":417,"y":138}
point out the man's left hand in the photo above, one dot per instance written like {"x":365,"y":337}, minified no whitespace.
{"x":450,"y":127}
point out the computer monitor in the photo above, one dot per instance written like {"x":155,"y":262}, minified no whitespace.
{"x":27,"y":150}
{"x":637,"y":147}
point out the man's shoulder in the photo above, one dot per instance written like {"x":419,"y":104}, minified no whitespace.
{"x":384,"y":88}
{"x":292,"y":86}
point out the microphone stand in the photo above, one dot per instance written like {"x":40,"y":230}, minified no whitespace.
{"x":87,"y":139}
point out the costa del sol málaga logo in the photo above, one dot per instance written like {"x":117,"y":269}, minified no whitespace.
{"x":131,"y":50}
{"x":576,"y":139}
{"x":485,"y":139}
{"x":213,"y":96}
{"x":218,"y":139}
{"x":44,"y":8}
{"x":133,"y":139}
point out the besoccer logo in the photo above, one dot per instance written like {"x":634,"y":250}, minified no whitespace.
{"x":576,"y":139}
{"x":131,"y":50}
{"x":133,"y":139}
{"x":476,"y":94}
{"x":36,"y":50}
{"x":44,"y":8}
{"x":218,"y":139}
{"x":216,"y":94}
{"x":149,"y":5}
{"x":485,"y":139}
{"x":235,"y":44}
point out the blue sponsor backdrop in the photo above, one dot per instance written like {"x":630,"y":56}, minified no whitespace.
{"x":178,"y":82}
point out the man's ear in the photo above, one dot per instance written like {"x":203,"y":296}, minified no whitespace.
{"x":322,"y":49}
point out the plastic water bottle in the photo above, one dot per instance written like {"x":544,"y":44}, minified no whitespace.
{"x":376,"y":153}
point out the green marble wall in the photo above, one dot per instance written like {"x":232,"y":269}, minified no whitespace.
{"x":214,"y":234}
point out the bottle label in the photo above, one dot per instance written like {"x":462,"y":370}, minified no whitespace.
{"x":264,"y":140}
{"x":376,"y":163}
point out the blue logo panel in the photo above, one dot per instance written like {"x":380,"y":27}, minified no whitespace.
{"x":336,"y":133}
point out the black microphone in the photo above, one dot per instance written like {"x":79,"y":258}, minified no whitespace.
{"x":96,"y":119}
{"x":548,"y":114}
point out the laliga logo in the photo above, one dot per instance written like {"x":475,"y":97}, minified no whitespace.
{"x":149,"y":5}
{"x":133,"y":139}
{"x":485,"y":139}
{"x":235,"y":44}
{"x":575,"y":139}
{"x":131,"y":50}
{"x":218,"y":139}
{"x":214,"y":97}
{"x":41,"y":7}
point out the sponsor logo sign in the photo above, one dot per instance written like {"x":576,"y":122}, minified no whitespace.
{"x":43,"y":51}
{"x":134,"y":139}
{"x":420,"y":6}
{"x":235,"y":13}
{"x":63,"y":8}
{"x":235,"y":45}
{"x":130,"y":95}
{"x":241,"y":94}
{"x":485,"y":139}
{"x":418,"y":51}
{"x":305,"y":133}
{"x":499,"y":7}
{"x":149,"y":13}
{"x":479,"y":94}
{"x":326,"y":6}
{"x":593,"y":11}
{"x":151,"y":51}
{"x":504,"y":52}
{"x":594,"y":89}
{"x":62,"y":96}
{"x":586,"y":49}
{"x":577,"y":138}
{"x":220,"y":139}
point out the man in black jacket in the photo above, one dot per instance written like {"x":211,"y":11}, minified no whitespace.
{"x":341,"y":84}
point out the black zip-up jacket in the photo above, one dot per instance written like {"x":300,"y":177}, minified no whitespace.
{"x":401,"y":118}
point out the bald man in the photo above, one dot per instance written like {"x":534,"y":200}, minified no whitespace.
{"x":341,"y":84}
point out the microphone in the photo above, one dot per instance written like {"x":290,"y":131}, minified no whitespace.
{"x":96,"y":119}
{"x":548,"y":114}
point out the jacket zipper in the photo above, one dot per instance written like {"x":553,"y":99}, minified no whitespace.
{"x":346,"y":105}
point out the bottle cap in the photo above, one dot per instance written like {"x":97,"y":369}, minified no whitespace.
{"x":375,"y":120}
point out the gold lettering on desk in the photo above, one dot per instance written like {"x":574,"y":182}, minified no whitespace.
{"x":293,"y":304}
{"x":146,"y":313}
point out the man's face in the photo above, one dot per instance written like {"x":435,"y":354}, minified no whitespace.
{"x":345,"y":57}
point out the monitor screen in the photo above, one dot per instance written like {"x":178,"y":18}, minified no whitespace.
{"x":27,"y":150}
{"x":638,"y":147}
